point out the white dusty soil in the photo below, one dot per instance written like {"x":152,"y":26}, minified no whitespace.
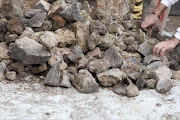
{"x":34,"y":101}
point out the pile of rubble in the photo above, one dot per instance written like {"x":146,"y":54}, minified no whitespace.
{"x":87,"y":44}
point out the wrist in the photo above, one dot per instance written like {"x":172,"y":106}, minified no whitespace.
{"x":175,"y":40}
{"x":156,"y":14}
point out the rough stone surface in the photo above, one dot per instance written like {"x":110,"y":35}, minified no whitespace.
{"x":3,"y":28}
{"x":65,"y":81}
{"x":176,"y":75}
{"x":163,"y":73}
{"x":164,"y":85}
{"x":126,"y":55}
{"x":56,"y":56}
{"x":37,"y":20}
{"x":39,"y":69}
{"x":132,"y":90}
{"x":53,"y":78}
{"x":95,"y":53}
{"x":131,"y":65}
{"x":43,"y":5}
{"x":97,"y":27}
{"x":15,"y":26}
{"x":49,"y":39}
{"x":18,"y":67}
{"x":98,"y":65}
{"x":82,"y":63}
{"x":107,"y":41}
{"x":145,"y":48}
{"x":32,"y":12}
{"x":2,"y":78}
{"x":155,"y":64}
{"x":133,"y":47}
{"x":174,"y":65}
{"x":134,"y":76}
{"x":10,"y":38}
{"x":11,"y":75}
{"x":151,"y":83}
{"x":72,"y":13}
{"x":28,"y":52}
{"x":2,"y":67}
{"x":82,"y":34}
{"x":111,"y":77}
{"x":140,"y":83}
{"x":3,"y":51}
{"x":84,"y":82}
{"x":120,"y":88}
{"x":66,"y":37}
{"x":28,"y":32}
{"x":119,"y":43}
{"x":93,"y":41}
{"x":113,"y":56}
{"x":46,"y":26}
{"x":129,"y":40}
{"x":58,"y":22}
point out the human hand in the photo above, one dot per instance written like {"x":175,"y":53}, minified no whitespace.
{"x":150,"y":20}
{"x":162,"y":47}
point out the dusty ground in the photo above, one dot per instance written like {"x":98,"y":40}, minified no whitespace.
{"x":173,"y":22}
{"x":31,"y":101}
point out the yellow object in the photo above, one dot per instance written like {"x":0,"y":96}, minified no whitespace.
{"x":137,"y":8}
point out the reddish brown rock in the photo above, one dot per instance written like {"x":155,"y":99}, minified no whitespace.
{"x":18,"y":67}
{"x":15,"y":26}
{"x":95,"y":53}
{"x":58,"y":22}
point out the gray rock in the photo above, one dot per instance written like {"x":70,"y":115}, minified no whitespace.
{"x":163,"y":73}
{"x":3,"y":28}
{"x":53,"y":78}
{"x":129,"y":40}
{"x":82,"y":34}
{"x":32,"y":12}
{"x":106,"y":42}
{"x":65,"y":81}
{"x":120,"y":89}
{"x":134,"y":76}
{"x":93,"y":40}
{"x":76,"y":55}
{"x":11,"y":75}
{"x":28,"y":52}
{"x":72,"y":13}
{"x":84,"y":82}
{"x":133,"y":47}
{"x":132,"y":65}
{"x":98,"y":65}
{"x":47,"y":26}
{"x":96,"y":53}
{"x":151,"y":83}
{"x":28,"y":32}
{"x":145,"y":48}
{"x":174,"y":65}
{"x":97,"y":27}
{"x":119,"y":43}
{"x":113,"y":56}
{"x":70,"y":1}
{"x":111,"y":77}
{"x":3,"y":51}
{"x":43,"y":5}
{"x":2,"y":78}
{"x":2,"y":67}
{"x":49,"y":39}
{"x":18,"y":67}
{"x":37,"y":20}
{"x":164,"y":85}
{"x":176,"y":75}
{"x":141,"y":82}
{"x":10,"y":38}
{"x":132,"y":90}
{"x":155,"y":64}
{"x":39,"y":69}
{"x":82,"y":63}
{"x":126,"y":55}
{"x":56,"y":56}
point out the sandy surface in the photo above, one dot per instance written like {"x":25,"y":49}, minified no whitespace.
{"x":34,"y":101}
